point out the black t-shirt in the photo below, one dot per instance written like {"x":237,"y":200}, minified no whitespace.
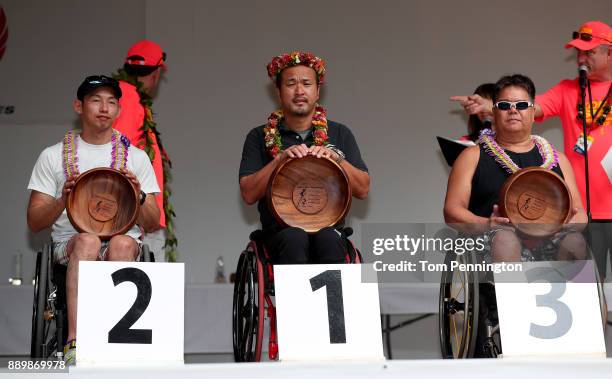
{"x":255,"y":156}
{"x":490,"y":176}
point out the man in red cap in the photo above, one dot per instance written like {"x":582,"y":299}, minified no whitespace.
{"x":593,"y":44}
{"x":139,"y":79}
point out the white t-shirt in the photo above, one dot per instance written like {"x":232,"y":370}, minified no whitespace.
{"x":48,"y":177}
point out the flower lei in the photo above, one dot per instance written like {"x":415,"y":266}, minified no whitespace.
{"x":272,"y":137}
{"x":146,"y":144}
{"x":70,"y":158}
{"x":547,"y":151}
{"x":281,"y":62}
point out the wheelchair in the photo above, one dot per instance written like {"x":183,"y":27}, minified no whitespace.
{"x":468,"y":321}
{"x":49,"y":314}
{"x":252,"y":300}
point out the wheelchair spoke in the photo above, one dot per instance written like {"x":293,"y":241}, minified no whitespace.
{"x":454,"y":335}
{"x":462,"y":287}
{"x":459,"y":292}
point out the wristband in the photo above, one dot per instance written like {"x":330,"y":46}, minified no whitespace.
{"x":341,"y":155}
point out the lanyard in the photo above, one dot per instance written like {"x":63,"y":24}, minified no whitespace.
{"x":604,"y":102}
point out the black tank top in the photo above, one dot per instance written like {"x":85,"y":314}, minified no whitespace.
{"x":490,"y":176}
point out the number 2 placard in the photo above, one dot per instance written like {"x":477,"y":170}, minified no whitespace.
{"x":325,"y":312}
{"x":130,"y":312}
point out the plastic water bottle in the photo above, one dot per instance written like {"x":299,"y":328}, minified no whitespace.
{"x":16,"y":278}
{"x":220,"y":271}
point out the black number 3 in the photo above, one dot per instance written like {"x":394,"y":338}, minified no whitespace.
{"x":121,"y":332}
{"x":335,"y":303}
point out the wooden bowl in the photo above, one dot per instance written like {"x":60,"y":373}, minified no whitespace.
{"x":309,"y":193}
{"x":103,"y":201}
{"x":536,"y":200}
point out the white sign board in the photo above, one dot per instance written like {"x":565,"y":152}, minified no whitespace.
{"x":130,"y":313}
{"x":325,"y":312}
{"x":550,"y":309}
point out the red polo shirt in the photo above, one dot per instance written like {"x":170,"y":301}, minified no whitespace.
{"x":562,"y":100}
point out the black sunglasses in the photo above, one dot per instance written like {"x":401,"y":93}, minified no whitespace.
{"x":583,"y":36}
{"x":518,"y":105}
{"x":162,"y":59}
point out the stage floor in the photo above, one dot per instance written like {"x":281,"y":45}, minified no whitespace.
{"x":473,"y":369}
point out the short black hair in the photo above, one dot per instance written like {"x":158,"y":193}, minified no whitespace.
{"x":515,"y":80}
{"x":485,"y":90}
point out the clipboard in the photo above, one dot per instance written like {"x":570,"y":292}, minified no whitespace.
{"x":452,"y":148}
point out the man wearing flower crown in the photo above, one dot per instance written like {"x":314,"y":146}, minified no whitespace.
{"x":96,"y":144}
{"x":592,"y":43}
{"x":298,"y":129}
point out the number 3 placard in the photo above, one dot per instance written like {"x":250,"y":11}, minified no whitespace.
{"x":550,"y":308}
{"x":326,"y":312}
{"x":130,"y":312}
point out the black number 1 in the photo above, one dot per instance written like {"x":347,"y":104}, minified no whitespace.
{"x":332,"y":279}
{"x":121,"y":332}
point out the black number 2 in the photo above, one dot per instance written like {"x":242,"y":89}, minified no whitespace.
{"x":332,"y":279}
{"x":121,"y":332}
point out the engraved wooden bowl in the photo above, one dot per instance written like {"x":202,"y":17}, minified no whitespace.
{"x":103,"y":201}
{"x":536,"y":200}
{"x":309,"y":193}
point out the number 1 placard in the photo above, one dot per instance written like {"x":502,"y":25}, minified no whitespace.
{"x":130,"y":312}
{"x":325,"y":312}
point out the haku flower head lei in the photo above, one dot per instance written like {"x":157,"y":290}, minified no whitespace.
{"x":70,"y":160}
{"x":281,"y":62}
{"x":547,"y":151}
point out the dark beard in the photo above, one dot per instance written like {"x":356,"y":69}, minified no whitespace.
{"x":303,"y":111}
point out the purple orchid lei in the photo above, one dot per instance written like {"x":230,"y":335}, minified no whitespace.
{"x":549,"y":155}
{"x":119,"y":153}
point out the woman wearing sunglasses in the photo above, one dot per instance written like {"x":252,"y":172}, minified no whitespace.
{"x":480,"y":171}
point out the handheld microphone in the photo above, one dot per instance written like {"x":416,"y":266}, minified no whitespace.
{"x":583,"y":71}
{"x":487,"y":122}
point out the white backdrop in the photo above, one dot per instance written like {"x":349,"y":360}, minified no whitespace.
{"x":391,"y":67}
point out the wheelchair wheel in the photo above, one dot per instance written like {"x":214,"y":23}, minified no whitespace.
{"x":458,"y":313}
{"x":248,"y":307}
{"x":44,"y":338}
